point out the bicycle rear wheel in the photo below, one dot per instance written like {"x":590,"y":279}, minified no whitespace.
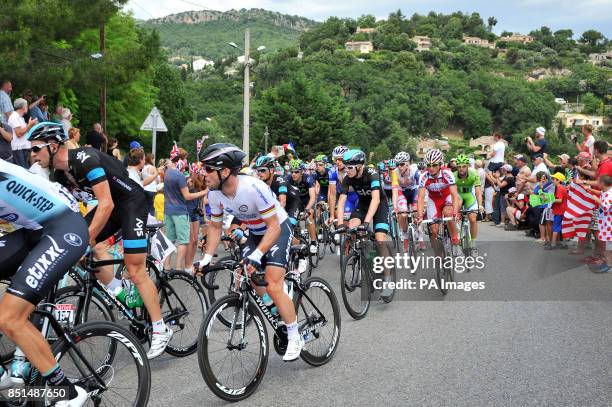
{"x":232,"y":368}
{"x":355,"y":286}
{"x":183,"y":305}
{"x":126,"y":373}
{"x":318,"y":317}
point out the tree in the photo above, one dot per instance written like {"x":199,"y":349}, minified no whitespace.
{"x":366,"y":21}
{"x":593,"y":38}
{"x":195,"y":130}
{"x":492,"y":22}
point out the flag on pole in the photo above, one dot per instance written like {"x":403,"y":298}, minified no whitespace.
{"x":199,"y":143}
{"x":174,"y":152}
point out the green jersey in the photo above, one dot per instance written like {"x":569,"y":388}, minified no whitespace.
{"x":465,"y":187}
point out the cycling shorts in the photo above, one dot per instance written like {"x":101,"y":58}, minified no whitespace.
{"x":322,"y":197}
{"x":37,"y":259}
{"x":472,"y":207}
{"x":406,"y":200}
{"x":435,"y":206}
{"x":129,"y":216}
{"x":278,"y":255}
{"x":352,"y":201}
{"x":380,"y":218}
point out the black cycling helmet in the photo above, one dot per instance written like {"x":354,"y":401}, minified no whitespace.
{"x":223,"y":155}
{"x":265,"y":161}
{"x":48,"y":131}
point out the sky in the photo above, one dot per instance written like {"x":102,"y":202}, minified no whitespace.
{"x":512,"y":15}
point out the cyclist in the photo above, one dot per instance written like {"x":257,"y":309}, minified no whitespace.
{"x":389,"y":178}
{"x":306,"y":186}
{"x":287,"y":195}
{"x":326,"y":178}
{"x":469,"y":189}
{"x":352,"y":198}
{"x":443,"y":199}
{"x":404,"y":196}
{"x":366,"y":182}
{"x":121,"y":206}
{"x":52,"y":238}
{"x":251,"y":200}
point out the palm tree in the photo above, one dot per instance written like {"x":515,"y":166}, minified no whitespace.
{"x":492,"y":23}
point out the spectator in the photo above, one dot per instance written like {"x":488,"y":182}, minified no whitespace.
{"x":20,"y":144}
{"x":542,"y":214}
{"x":523,"y":173}
{"x":57,"y":115}
{"x":539,"y":146}
{"x":113,"y":149}
{"x":497,"y":153}
{"x":503,"y":181}
{"x":44,"y":110}
{"x":66,"y":119}
{"x":176,"y":215}
{"x":158,"y":202}
{"x":74,"y":135}
{"x":34,"y":107}
{"x":605,"y":223}
{"x":478,"y":164}
{"x":516,"y":211}
{"x":604,"y":163}
{"x":133,"y":146}
{"x":97,"y":139}
{"x":136,"y":161}
{"x":589,"y":141}
{"x":489,"y":190}
{"x":563,"y":162}
{"x":148,"y":171}
{"x":196,"y":217}
{"x":558,"y":209}
{"x":6,"y":107}
{"x":6,"y":136}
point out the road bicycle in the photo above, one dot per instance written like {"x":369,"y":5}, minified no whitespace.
{"x":465,"y":237}
{"x":358,"y":279}
{"x":443,"y":250}
{"x":102,"y":357}
{"x":325,"y":236}
{"x":301,"y":234}
{"x":182,"y":299}
{"x":233,"y":346}
{"x":409,"y":243}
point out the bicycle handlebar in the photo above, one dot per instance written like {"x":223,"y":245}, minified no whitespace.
{"x":438,"y":220}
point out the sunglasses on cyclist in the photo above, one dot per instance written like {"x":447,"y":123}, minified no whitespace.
{"x":36,"y":149}
{"x":432,"y":165}
{"x":210,"y":170}
{"x":262,"y":170}
{"x":351,"y":167}
{"x":401,"y":164}
{"x":296,"y":171}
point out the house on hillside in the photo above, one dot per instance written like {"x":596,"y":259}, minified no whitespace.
{"x":365,"y":30}
{"x":201,"y":63}
{"x":423,"y":42}
{"x":364,"y":47}
{"x":516,"y":37}
{"x":479,"y":42}
{"x":424,"y":145}
{"x":483,"y":145}
{"x":579,"y":119}
{"x":597,"y":59}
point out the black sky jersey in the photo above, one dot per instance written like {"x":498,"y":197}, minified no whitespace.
{"x":280,"y":187}
{"x":89,"y":167}
{"x":364,"y":186}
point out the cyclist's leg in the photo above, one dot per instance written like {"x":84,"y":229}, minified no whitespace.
{"x":61,"y":245}
{"x":357,"y":217}
{"x":275,"y":262}
{"x":106,"y":274}
{"x":434,"y":210}
{"x":473,"y":218}
{"x":402,"y":217}
{"x":447,"y":211}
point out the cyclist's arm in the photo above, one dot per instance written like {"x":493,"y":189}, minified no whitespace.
{"x":340,"y":212}
{"x":213,"y":235}
{"x":478,"y":191}
{"x":331,"y":200}
{"x":311,"y":198}
{"x":282,"y":199}
{"x":272,"y":234}
{"x":457,"y":201}
{"x":373,"y":205}
{"x":103,"y":212}
{"x":420,"y":202}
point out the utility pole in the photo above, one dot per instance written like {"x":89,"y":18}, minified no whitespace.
{"x":247,"y":91}
{"x":266,"y":134}
{"x":103,"y":89}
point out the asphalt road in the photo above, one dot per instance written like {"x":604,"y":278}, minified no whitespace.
{"x":545,"y":341}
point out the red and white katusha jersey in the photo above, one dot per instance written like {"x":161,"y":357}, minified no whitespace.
{"x":437,"y":186}
{"x":254,"y":202}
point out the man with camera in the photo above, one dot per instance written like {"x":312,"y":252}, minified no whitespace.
{"x":588,"y":144}
{"x":537,"y":147}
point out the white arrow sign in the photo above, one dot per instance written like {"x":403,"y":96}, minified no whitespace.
{"x":154,"y":121}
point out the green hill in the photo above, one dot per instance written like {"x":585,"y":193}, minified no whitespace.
{"x":207,"y":32}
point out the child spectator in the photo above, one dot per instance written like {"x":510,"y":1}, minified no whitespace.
{"x":605,"y":223}
{"x":558,"y":209}
{"x":517,"y":211}
{"x":158,"y":202}
{"x":544,"y":212}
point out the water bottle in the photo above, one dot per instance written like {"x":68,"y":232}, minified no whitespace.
{"x":129,"y":295}
{"x":267,"y":300}
{"x":302,"y":265}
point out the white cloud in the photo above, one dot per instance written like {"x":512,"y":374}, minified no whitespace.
{"x":518,"y":15}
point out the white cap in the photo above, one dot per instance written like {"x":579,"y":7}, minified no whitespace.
{"x":541,"y":130}
{"x":520,"y":197}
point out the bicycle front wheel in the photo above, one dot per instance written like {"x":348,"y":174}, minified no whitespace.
{"x":355,"y":286}
{"x":183,"y":305}
{"x":126,"y":374}
{"x":233,"y":359}
{"x":318,"y":317}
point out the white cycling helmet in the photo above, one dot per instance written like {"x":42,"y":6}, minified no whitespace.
{"x":339,"y":152}
{"x":402,"y":157}
{"x":434,"y":156}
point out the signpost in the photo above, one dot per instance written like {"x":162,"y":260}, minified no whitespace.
{"x":154,"y":122}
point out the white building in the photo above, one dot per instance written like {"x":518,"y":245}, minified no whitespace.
{"x":201,"y":63}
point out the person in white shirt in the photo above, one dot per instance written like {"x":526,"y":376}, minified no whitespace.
{"x":136,"y":161}
{"x":20,"y":144}
{"x":148,"y":171}
{"x":498,"y":150}
{"x":588,"y":145}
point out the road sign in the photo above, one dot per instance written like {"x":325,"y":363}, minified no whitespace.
{"x":154,"y":122}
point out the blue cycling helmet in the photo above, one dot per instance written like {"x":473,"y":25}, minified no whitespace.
{"x":48,"y":131}
{"x":265,"y":161}
{"x":354,"y":157}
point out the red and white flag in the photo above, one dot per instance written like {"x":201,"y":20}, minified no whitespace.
{"x":174,"y":152}
{"x":577,"y":217}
